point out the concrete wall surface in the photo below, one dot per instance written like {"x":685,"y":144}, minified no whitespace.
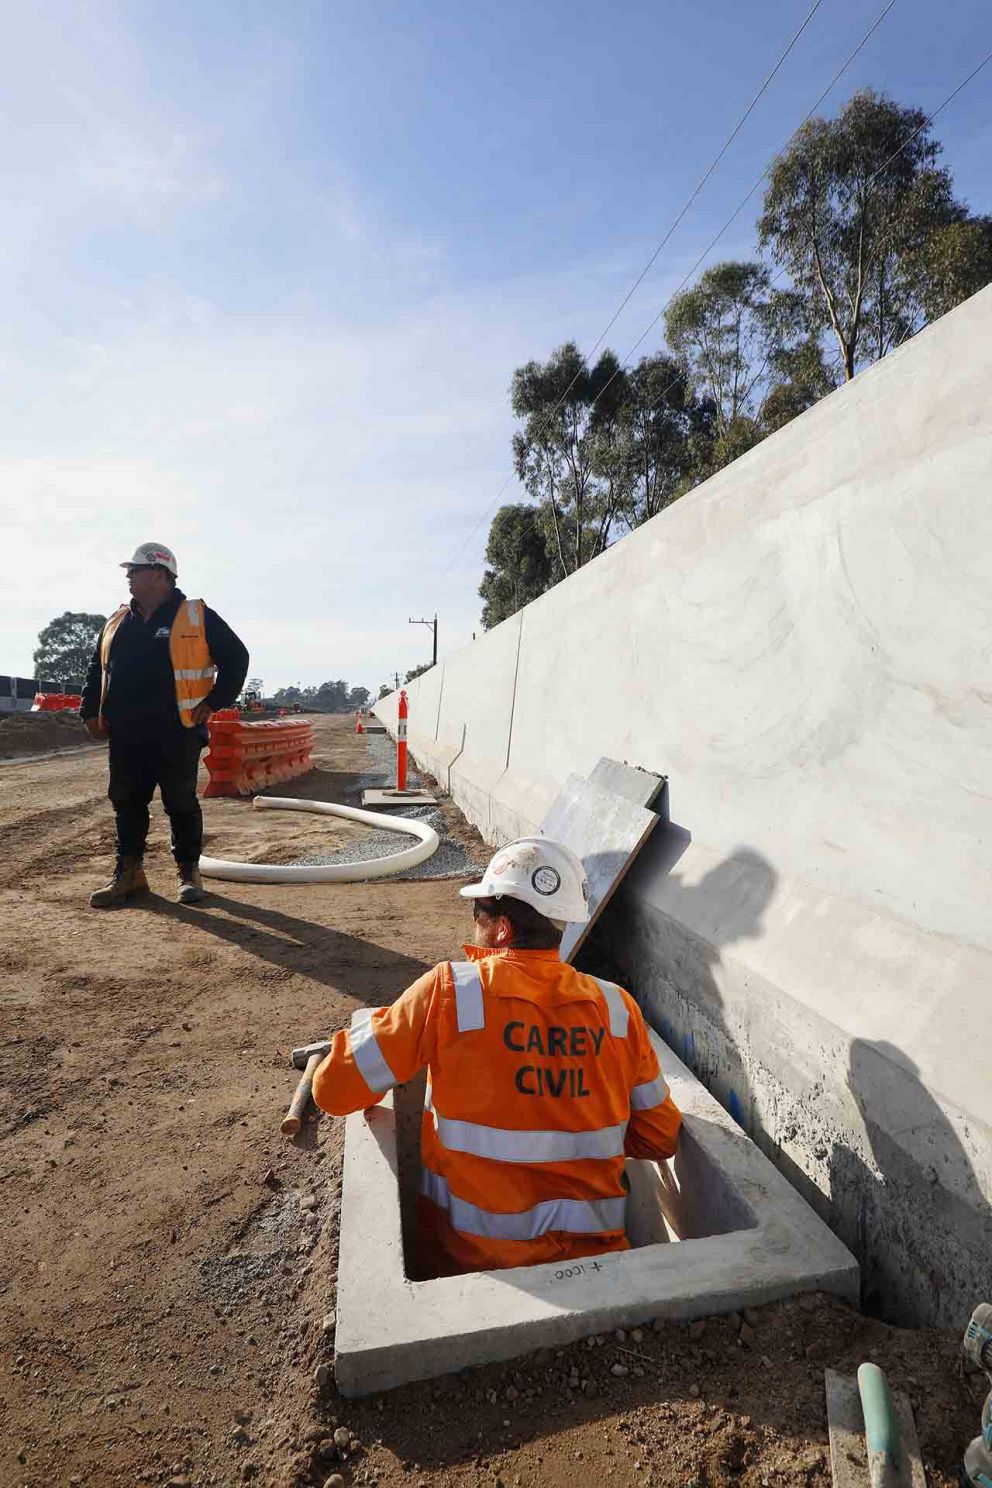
{"x":804,"y":646}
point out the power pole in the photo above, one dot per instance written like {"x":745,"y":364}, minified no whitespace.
{"x":396,"y":676}
{"x":432,"y":626}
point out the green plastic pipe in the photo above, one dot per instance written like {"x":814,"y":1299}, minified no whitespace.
{"x":881,"y":1429}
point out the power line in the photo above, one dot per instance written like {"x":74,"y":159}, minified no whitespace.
{"x":884,"y":166}
{"x":725,"y":147}
{"x":927,"y":122}
{"x":744,"y":200}
{"x":652,"y":260}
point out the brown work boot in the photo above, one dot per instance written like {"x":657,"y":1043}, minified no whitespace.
{"x":191,"y":889}
{"x":129,"y":879}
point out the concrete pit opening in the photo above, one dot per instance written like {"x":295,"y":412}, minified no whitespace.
{"x":713,"y":1230}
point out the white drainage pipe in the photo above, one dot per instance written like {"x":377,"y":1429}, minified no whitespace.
{"x":407,"y":857}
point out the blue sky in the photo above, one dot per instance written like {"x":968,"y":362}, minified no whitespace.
{"x":267,"y":271}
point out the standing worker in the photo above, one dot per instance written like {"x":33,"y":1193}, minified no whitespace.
{"x":161,"y":666}
{"x":540,"y":1080}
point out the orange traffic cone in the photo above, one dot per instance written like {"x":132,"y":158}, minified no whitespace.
{"x":359,"y":726}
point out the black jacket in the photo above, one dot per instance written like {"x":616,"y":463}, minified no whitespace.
{"x":141,"y":683}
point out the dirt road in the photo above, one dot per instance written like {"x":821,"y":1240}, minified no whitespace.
{"x":168,"y":1258}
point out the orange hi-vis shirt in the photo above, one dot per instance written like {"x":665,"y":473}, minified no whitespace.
{"x":541,"y":1080}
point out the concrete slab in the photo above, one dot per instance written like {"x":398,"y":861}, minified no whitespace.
{"x":744,"y":1237}
{"x":398,"y":798}
{"x":607,"y":832}
{"x":635,"y":784}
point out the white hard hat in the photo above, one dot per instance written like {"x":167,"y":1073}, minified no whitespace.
{"x":546,"y":875}
{"x":154,"y":553}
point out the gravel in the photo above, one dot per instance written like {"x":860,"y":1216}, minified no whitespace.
{"x":451,"y":860}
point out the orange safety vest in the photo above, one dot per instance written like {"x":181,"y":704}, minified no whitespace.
{"x":541,"y":1081}
{"x":192,"y":663}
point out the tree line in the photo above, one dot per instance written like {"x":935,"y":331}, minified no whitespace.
{"x":329,"y":697}
{"x":861,"y":244}
{"x":66,"y":644}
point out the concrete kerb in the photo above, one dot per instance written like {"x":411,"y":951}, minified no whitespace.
{"x":745,"y":1237}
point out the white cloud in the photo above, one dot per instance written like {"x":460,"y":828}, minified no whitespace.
{"x":314,"y":480}
{"x":315,"y":453}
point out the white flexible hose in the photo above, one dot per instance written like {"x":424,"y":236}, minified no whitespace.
{"x":408,"y":857}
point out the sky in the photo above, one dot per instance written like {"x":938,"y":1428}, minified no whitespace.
{"x":266,"y":272}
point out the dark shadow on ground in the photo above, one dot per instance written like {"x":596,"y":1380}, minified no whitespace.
{"x":371,"y":973}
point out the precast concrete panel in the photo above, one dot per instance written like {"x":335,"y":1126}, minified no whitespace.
{"x":803,"y":646}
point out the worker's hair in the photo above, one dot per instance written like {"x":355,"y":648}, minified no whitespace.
{"x":532,"y":931}
{"x":168,"y":574}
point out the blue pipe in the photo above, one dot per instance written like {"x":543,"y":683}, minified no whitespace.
{"x":881,"y":1429}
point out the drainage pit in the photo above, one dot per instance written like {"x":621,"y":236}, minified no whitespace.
{"x":714,"y":1229}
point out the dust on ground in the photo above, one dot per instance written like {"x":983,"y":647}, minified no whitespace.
{"x":166,"y":1312}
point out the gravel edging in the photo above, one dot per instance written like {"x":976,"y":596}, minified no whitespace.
{"x":451,"y":859}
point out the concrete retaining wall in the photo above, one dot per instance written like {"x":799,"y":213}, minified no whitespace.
{"x":803,"y":646}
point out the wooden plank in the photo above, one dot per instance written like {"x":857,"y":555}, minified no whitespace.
{"x":848,"y":1454}
{"x":607,"y":832}
{"x":845,"y":1424}
{"x":910,"y":1440}
{"x":635,"y":784}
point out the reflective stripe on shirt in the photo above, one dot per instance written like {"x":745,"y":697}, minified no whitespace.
{"x":195,"y":672}
{"x":651,"y":1093}
{"x":574,"y":1216}
{"x":619,"y":1014}
{"x":468,"y":996}
{"x":372,"y":1065}
{"x":504,"y":1145}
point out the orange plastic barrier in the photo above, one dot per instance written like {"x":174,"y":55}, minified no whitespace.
{"x":55,"y":702}
{"x":246,"y":757}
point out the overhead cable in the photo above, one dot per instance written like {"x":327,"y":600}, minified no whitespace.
{"x":778,"y":275}
{"x":653,"y":259}
{"x":745,"y":199}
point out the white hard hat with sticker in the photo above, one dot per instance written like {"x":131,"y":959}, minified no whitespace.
{"x":545,"y":874}
{"x":153,"y":554}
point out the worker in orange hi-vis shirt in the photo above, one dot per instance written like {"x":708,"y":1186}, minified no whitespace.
{"x":541,"y":1080}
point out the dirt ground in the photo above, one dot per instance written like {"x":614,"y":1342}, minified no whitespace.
{"x":168,"y":1258}
{"x":34,"y":733}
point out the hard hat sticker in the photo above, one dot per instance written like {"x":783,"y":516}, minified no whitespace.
{"x":546,"y":880}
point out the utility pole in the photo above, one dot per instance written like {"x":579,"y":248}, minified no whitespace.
{"x":396,"y":677}
{"x":432,"y":626}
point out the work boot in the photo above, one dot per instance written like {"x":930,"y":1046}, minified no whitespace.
{"x":191,"y":889}
{"x":129,"y":879}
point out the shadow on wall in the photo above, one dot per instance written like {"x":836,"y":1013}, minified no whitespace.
{"x":892,"y":1180}
{"x":668,"y":957}
{"x":909,"y":1204}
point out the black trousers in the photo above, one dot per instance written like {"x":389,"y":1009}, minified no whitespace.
{"x":149,"y":754}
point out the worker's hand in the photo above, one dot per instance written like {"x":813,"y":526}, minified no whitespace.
{"x":96,"y":728}
{"x":201,"y":713}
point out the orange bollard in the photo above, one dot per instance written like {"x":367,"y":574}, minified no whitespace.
{"x":401,"y":743}
{"x":359,"y":727}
